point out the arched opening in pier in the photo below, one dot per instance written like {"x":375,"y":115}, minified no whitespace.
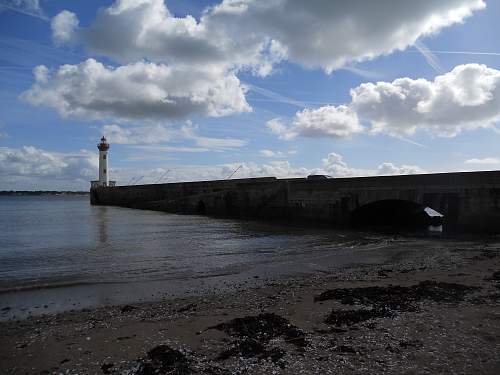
{"x":397,"y":213}
{"x":200,"y":208}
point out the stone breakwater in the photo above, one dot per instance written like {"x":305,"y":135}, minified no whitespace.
{"x":469,"y":201}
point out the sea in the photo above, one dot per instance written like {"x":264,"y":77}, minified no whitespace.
{"x":59,"y":253}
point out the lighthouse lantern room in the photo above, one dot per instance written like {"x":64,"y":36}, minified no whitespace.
{"x":103,"y":181}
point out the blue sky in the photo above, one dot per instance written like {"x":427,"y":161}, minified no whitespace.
{"x":199,"y":88}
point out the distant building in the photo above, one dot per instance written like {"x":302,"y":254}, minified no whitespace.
{"x":103,"y":166}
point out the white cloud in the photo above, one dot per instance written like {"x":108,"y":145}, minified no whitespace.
{"x":466,"y":98}
{"x":219,"y":143}
{"x":189,"y":132}
{"x":359,"y":30}
{"x":137,"y":91}
{"x":31,"y":164}
{"x":276,"y":154}
{"x":277,"y":126}
{"x":268,"y":153}
{"x":483,"y":161}
{"x":129,"y":31}
{"x":145,"y":134}
{"x":151,"y":150}
{"x":64,"y":27}
{"x":328,"y":121}
{"x":335,"y":165}
{"x":271,"y":154}
{"x":161,"y":134}
{"x":391,"y":169}
{"x":246,"y":33}
{"x":279,"y":169}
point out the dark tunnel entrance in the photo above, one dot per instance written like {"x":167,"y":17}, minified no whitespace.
{"x":200,"y":208}
{"x":396,"y":214}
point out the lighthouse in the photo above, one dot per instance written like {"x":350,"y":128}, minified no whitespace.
{"x":103,"y":162}
{"x":103,"y":181}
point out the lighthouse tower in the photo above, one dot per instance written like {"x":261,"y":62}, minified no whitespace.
{"x":103,"y":166}
{"x":103,"y":162}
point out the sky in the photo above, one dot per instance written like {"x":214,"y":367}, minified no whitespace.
{"x":190,"y":90}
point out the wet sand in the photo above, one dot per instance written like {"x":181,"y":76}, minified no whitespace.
{"x":431,"y":307}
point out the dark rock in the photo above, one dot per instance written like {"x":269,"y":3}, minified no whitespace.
{"x":121,"y":338}
{"x":338,"y":330}
{"x":190,"y":306}
{"x":440,"y":291}
{"x":384,"y":272}
{"x":64,"y":361}
{"x":163,"y":359}
{"x":263,"y":328}
{"x":398,"y":298}
{"x":106,"y":368}
{"x":488,"y":254}
{"x":127,"y":308}
{"x":495,"y":276}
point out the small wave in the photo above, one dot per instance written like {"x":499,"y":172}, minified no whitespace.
{"x":21,"y":288}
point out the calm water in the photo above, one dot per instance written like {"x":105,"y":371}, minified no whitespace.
{"x":63,"y":252}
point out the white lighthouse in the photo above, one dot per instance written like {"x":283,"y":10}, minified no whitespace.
{"x":103,"y":165}
{"x":103,"y":162}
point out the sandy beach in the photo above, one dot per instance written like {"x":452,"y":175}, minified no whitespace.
{"x":436,"y":310}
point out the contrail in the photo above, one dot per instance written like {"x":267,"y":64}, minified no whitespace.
{"x":363,"y":72}
{"x":440,"y":52}
{"x":429,"y":56}
{"x":272,"y":96}
{"x":27,"y":12}
{"x":275,"y":96}
{"x":467,"y":53}
{"x":401,"y":138}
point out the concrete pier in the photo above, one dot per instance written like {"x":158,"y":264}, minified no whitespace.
{"x":469,"y":201}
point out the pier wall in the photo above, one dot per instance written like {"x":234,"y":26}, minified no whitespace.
{"x":470,"y":201}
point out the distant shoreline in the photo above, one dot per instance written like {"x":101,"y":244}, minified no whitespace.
{"x":40,"y":192}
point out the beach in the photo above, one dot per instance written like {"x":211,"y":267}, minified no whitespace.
{"x":432,"y":307}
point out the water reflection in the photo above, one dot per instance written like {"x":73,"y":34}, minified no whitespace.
{"x":102,"y":220}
